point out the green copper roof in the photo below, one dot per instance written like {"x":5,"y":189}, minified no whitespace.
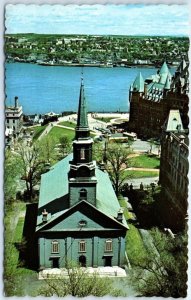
{"x":174,"y":122}
{"x":54,"y":185}
{"x":168,"y":83}
{"x":164,"y":68}
{"x":138,"y":85}
{"x":82,"y":121}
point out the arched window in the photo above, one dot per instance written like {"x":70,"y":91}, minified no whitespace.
{"x":83,"y":194}
{"x":82,"y":153}
{"x":108,"y":246}
{"x":55,"y":247}
{"x":82,"y":246}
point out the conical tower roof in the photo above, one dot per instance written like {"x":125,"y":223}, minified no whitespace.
{"x":164,"y":68}
{"x":82,"y":121}
{"x":182,"y":66}
{"x":138,"y":84}
{"x":164,"y":73}
{"x":168,"y":83}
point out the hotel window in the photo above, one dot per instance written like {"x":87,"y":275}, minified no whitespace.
{"x":108,"y":245}
{"x":55,"y":247}
{"x":82,"y":246}
{"x":82,"y":153}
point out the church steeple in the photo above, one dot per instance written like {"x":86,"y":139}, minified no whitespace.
{"x":82,"y":128}
{"x":82,"y":180}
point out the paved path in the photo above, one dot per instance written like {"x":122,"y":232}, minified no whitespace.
{"x":143,"y":169}
{"x":63,"y":126}
{"x":45,"y":132}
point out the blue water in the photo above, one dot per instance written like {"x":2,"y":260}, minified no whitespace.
{"x":45,"y":88}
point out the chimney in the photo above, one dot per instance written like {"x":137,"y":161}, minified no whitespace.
{"x":44,"y":216}
{"x":120,"y":215}
{"x":16,"y":102}
{"x":145,"y":89}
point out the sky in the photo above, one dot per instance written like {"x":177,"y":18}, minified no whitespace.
{"x":134,"y":19}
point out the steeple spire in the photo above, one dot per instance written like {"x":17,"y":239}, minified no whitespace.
{"x":82,"y":121}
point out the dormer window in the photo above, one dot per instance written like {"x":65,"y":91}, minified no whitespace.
{"x":82,"y":153}
{"x":82,"y":223}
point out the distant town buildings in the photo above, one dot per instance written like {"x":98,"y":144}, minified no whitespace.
{"x":151,"y":99}
{"x":96,"y":50}
{"x":174,"y":172}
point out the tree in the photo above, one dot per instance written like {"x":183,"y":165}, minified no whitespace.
{"x":163,"y":271}
{"x":12,"y":170}
{"x":47,"y":151}
{"x":64,"y":146}
{"x":98,"y":152}
{"x":33,"y":165}
{"x":116,"y":163}
{"x":78,"y":283}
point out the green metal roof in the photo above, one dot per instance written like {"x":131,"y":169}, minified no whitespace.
{"x":164,"y":68}
{"x":82,"y":121}
{"x":106,"y":199}
{"x":54,"y":185}
{"x":174,"y":122}
{"x":155,"y":85}
{"x":138,"y":84}
{"x":168,"y":83}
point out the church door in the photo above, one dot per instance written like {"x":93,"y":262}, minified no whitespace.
{"x":55,"y":262}
{"x":108,"y":261}
{"x":82,"y":261}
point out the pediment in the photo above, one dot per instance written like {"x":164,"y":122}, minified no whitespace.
{"x":82,"y":211}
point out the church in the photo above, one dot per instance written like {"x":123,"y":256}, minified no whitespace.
{"x":79,"y":216}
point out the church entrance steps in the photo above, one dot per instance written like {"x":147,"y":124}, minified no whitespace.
{"x":100,"y":271}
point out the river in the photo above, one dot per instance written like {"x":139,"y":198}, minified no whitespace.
{"x":42,"y":89}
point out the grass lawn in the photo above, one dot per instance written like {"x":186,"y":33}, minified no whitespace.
{"x":145,"y":161}
{"x":68,"y":124}
{"x":135,"y":248}
{"x":19,"y":230}
{"x":133,"y":174}
{"x":58,"y":132}
{"x":37,"y":131}
{"x":15,"y":275}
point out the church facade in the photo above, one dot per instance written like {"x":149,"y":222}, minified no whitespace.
{"x":79,"y":216}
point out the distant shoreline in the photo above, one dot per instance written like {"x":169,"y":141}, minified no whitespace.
{"x":46,"y":64}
